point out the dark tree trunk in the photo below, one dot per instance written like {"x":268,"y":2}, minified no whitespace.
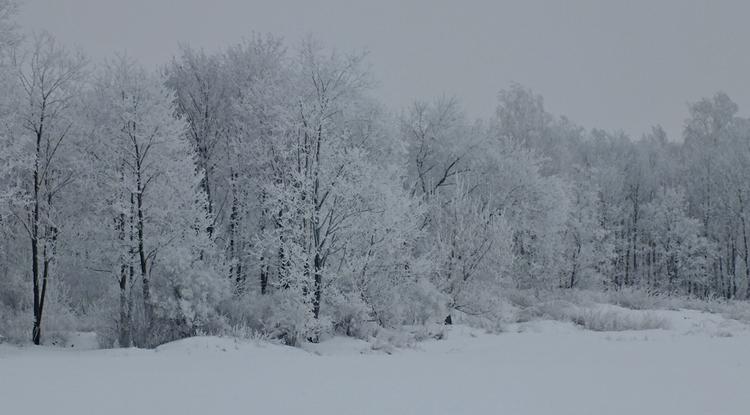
{"x":36,"y":333}
{"x":283,"y":271}
{"x":124,"y":332}
{"x":235,"y":269}
{"x":263,"y":275}
{"x":318,"y":285}
{"x":124,"y":326}
{"x":746,"y":258}
{"x":206,"y":184}
{"x":148,"y":306}
{"x":635,"y":237}
{"x":263,"y":261}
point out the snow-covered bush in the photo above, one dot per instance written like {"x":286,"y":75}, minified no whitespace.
{"x":739,"y":310}
{"x":635,"y":299}
{"x":14,"y":325}
{"x":106,"y":325}
{"x":388,"y":340}
{"x":278,"y":315}
{"x":604,"y":319}
{"x":421,"y":303}
{"x":187,"y":291}
{"x":60,"y":320}
{"x":350,"y":315}
{"x":587,"y":309}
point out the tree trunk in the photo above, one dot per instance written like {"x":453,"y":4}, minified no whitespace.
{"x":235,"y":269}
{"x":263,"y":261}
{"x":746,"y":258}
{"x":318,"y":285}
{"x":206,"y":184}
{"x":36,"y":333}
{"x":635,"y":238}
{"x":574,"y":271}
{"x":263,"y":275}
{"x":148,"y":306}
{"x":124,"y":326}
{"x":124,"y":332}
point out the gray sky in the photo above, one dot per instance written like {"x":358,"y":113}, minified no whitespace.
{"x":609,"y":64}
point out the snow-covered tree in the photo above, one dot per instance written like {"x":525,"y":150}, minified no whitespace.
{"x":680,"y":254}
{"x":156,"y":205}
{"x":39,"y":166}
{"x":588,"y":250}
{"x":203,"y":100}
{"x":9,"y":36}
{"x":266,"y":188}
{"x":260,"y":75}
{"x":472,"y":250}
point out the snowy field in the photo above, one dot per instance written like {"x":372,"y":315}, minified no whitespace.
{"x":700,"y":365}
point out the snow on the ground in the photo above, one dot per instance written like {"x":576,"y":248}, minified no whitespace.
{"x":700,"y":365}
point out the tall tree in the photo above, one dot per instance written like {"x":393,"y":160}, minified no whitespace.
{"x":203,"y":100}
{"x":48,"y":79}
{"x":156,"y":206}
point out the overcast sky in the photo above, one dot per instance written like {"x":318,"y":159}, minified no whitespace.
{"x":609,"y":64}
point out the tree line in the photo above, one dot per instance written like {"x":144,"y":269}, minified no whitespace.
{"x":263,"y":186}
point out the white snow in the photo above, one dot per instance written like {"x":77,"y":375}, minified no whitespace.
{"x":701,"y":365}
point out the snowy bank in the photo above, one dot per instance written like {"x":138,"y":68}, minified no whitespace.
{"x":540,"y":367}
